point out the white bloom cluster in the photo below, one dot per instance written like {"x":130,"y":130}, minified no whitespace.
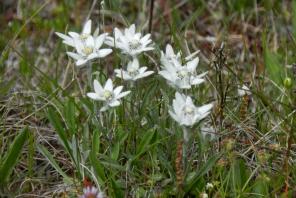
{"x":178,"y":75}
{"x":183,"y":76}
{"x":109,"y":95}
{"x":186,"y":113}
{"x":87,"y":46}
{"x":130,"y":42}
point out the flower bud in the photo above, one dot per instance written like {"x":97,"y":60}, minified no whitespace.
{"x":288,"y":82}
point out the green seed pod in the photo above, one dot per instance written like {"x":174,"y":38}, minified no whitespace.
{"x":288,"y":82}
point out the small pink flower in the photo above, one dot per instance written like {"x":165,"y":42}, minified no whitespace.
{"x":91,"y":192}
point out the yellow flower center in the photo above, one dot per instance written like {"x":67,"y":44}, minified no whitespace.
{"x":107,"y":95}
{"x":132,"y":71}
{"x":87,"y":50}
{"x":188,"y":110}
{"x":133,"y":45}
{"x":182,"y":73}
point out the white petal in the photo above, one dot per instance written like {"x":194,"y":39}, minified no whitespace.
{"x":90,"y":42}
{"x":180,"y":97}
{"x":135,"y":63}
{"x":109,"y":85}
{"x":132,"y":29}
{"x":117,"y":90}
{"x":109,"y":41}
{"x":87,"y":27}
{"x":122,"y":94}
{"x":169,"y":50}
{"x":145,"y":74}
{"x":142,"y":69}
{"x":145,"y":38}
{"x":94,"y":96}
{"x":114,"y":103}
{"x":98,"y":87}
{"x":99,"y":41}
{"x":81,"y":62}
{"x":122,"y":74}
{"x":104,"y":52}
{"x":191,"y":65}
{"x":69,"y":42}
{"x":197,"y":81}
{"x":104,"y":108}
{"x":92,"y":56}
{"x":204,"y":109}
{"x":74,"y":34}
{"x":189,"y":101}
{"x":74,"y":55}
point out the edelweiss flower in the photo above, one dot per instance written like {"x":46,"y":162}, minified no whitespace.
{"x":89,"y":49}
{"x":69,"y":40}
{"x":110,"y":96}
{"x":185,"y":112}
{"x":169,"y":57}
{"x":182,"y":76}
{"x":133,"y":71}
{"x":130,"y":42}
{"x":91,"y":192}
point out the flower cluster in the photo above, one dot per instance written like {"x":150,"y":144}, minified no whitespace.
{"x":87,"y":46}
{"x":179,"y":73}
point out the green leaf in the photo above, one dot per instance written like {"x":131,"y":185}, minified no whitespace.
{"x":240,"y":174}
{"x":97,"y":166}
{"x":260,"y":187}
{"x":193,"y":181}
{"x":145,"y":141}
{"x":116,"y":189}
{"x":294,"y":17}
{"x":54,"y":164}
{"x":55,"y":121}
{"x":121,"y":137}
{"x":70,"y":116}
{"x":12,"y":156}
{"x":273,"y":64}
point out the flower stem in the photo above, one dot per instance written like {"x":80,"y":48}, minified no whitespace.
{"x":89,"y":74}
{"x":185,"y":134}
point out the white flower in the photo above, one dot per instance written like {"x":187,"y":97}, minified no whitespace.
{"x":69,"y":40}
{"x":185,"y":112}
{"x":91,"y":192}
{"x":209,"y":186}
{"x":244,"y":90}
{"x":109,"y":95}
{"x":89,"y":49}
{"x":133,"y":71}
{"x":182,"y":76}
{"x":130,"y":42}
{"x":204,"y":195}
{"x":169,"y":56}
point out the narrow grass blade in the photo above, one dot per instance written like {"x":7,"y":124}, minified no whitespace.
{"x":12,"y":156}
{"x":54,"y":164}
